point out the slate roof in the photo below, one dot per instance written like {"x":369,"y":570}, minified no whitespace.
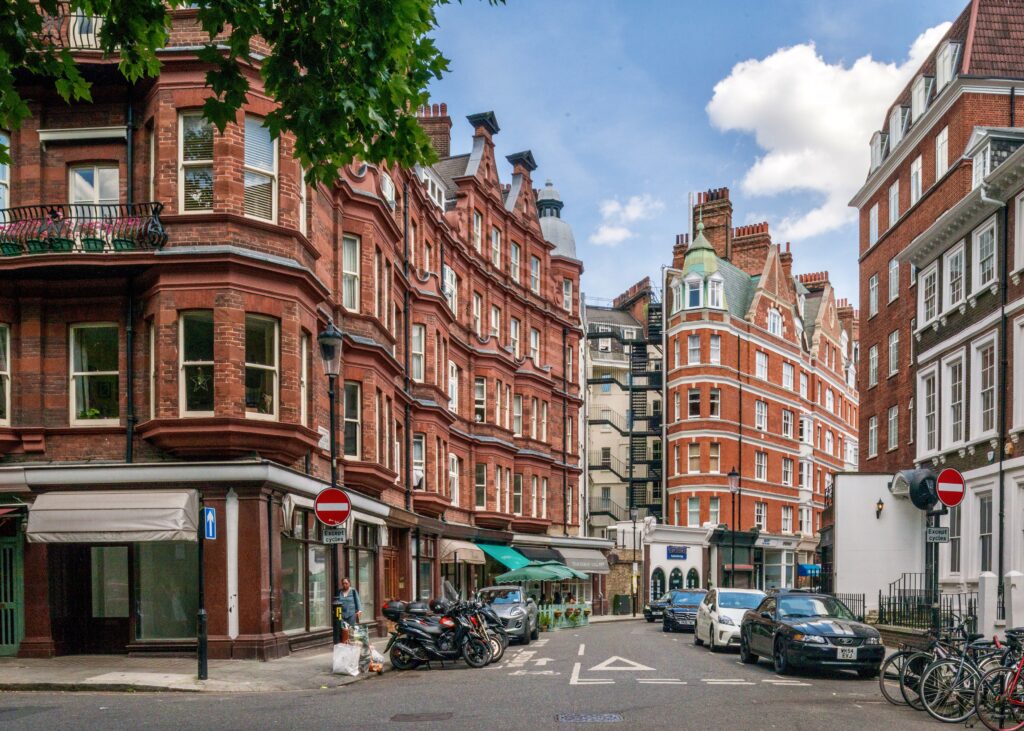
{"x":610,"y":316}
{"x":812,"y":304}
{"x":450,"y":168}
{"x":739,"y":288}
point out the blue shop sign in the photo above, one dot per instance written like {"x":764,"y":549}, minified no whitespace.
{"x":678,"y":552}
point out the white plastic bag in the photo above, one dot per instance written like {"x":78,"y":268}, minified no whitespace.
{"x":376,"y":656}
{"x":346,"y":659}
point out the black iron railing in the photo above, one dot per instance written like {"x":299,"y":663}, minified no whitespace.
{"x":607,"y":506}
{"x":81,"y":228}
{"x":854,"y":602}
{"x":71,"y":29}
{"x":912,"y":608}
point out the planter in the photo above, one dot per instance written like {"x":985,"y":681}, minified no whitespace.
{"x":37,"y":246}
{"x":10,"y":248}
{"x":90,"y":243}
{"x":61,"y":244}
{"x":121,"y":244}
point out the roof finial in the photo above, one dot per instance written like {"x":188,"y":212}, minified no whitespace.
{"x":700,"y":219}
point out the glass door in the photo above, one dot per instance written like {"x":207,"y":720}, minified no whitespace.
{"x":110,"y":599}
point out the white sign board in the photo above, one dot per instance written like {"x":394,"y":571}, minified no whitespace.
{"x":333,"y":535}
{"x":937,"y":534}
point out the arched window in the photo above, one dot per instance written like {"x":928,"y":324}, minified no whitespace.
{"x":692,"y":579}
{"x":657,"y":583}
{"x":675,"y":579}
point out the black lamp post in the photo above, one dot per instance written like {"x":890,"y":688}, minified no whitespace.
{"x":330,"y":341}
{"x":636,"y":574}
{"x":735,"y":489}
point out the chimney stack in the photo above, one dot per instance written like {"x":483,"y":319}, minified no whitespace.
{"x":786,"y":259}
{"x":750,"y":247}
{"x":679,"y":250}
{"x":437,"y":124}
{"x":715,"y":209}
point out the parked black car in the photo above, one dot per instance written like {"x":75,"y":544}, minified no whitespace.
{"x":681,"y":611}
{"x":656,"y":608}
{"x":801,"y":630}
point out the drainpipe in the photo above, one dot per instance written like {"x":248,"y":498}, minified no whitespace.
{"x":406,"y":333}
{"x":270,"y":556}
{"x":1002,"y":391}
{"x":566,"y":503}
{"x":130,"y":420}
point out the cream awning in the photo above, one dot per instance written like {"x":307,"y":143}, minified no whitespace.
{"x":116,"y":516}
{"x":461,"y":551}
{"x":588,"y":560}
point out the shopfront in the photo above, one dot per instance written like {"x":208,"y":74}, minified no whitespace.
{"x":305,"y":574}
{"x":362,"y":556}
{"x":775,"y":562}
{"x":460,"y":563}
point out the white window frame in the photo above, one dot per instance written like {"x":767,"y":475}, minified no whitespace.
{"x":761,"y":465}
{"x":5,"y":372}
{"x":976,"y":284}
{"x":480,"y":485}
{"x":950,"y":398}
{"x":693,"y":458}
{"x":715,"y":403}
{"x":787,"y":518}
{"x":954,"y":254}
{"x":761,"y":415}
{"x":182,"y":364}
{"x":894,"y":278}
{"x":761,"y":365}
{"x":517,"y":415}
{"x":515,"y":262}
{"x":941,"y":152}
{"x":787,"y":423}
{"x":477,"y":230}
{"x":977,"y":387}
{"x":873,"y":295}
{"x":892,"y":428}
{"x":918,"y":98}
{"x":944,"y":61}
{"x":926,"y":275}
{"x":73,"y":376}
{"x":478,"y":308}
{"x":419,"y":445}
{"x":534,"y":274}
{"x":716,"y":292}
{"x":693,"y":512}
{"x":894,"y":202}
{"x":275,"y":369}
{"x":803,"y":385}
{"x":480,"y":399}
{"x":350,"y":278}
{"x":924,"y":449}
{"x":357,"y":419}
{"x":303,"y":201}
{"x":496,"y":246}
{"x":873,"y":225}
{"x":418,"y":356}
{"x":774,"y":322}
{"x":694,"y":284}
{"x":872,"y":437}
{"x":761,"y":514}
{"x":544,"y":421}
{"x":895,"y":128}
{"x":514,"y":335}
{"x":693,"y":350}
{"x":714,"y":458}
{"x":517,"y":493}
{"x":453,"y":478}
{"x":894,"y":352}
{"x":916,"y":181}
{"x":535,"y":346}
{"x":567,"y":295}
{"x":453,"y":387}
{"x":1018,"y":241}
{"x":271,"y":173}
{"x":182,"y":164}
{"x":495,"y":331}
{"x":787,"y":376}
{"x":787,"y":471}
{"x":715,"y":352}
{"x":980,"y":165}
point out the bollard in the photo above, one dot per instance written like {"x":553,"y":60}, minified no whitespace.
{"x":336,"y":605}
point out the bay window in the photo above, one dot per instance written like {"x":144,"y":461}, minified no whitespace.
{"x":419,"y":340}
{"x":453,"y":478}
{"x":195,"y":168}
{"x":350,"y":246}
{"x":419,"y":461}
{"x":517,"y":493}
{"x":693,"y":511}
{"x":693,"y":458}
{"x":95,"y":379}
{"x":196,"y":381}
{"x":714,"y":458}
{"x":352,"y":411}
{"x":260,"y":174}
{"x":480,"y":486}
{"x":480,"y":399}
{"x":261,"y":366}
{"x":716,"y":349}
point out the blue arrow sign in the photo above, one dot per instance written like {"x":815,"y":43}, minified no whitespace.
{"x":210,"y":524}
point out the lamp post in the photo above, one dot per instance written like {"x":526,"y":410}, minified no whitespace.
{"x":330,"y":341}
{"x":734,"y":488}
{"x":636,"y":575}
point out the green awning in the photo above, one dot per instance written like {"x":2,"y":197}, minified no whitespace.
{"x":505,"y":555}
{"x":540,"y":571}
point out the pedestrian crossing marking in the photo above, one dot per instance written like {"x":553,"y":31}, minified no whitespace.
{"x":624,"y":664}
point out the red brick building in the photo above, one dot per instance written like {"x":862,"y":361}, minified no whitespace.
{"x":163,"y":289}
{"x":760,"y":380}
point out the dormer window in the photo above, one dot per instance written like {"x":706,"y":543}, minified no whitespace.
{"x":981,"y":165}
{"x":774,"y":322}
{"x":945,"y":63}
{"x":877,"y":148}
{"x":919,"y":98}
{"x":387,"y":189}
{"x":896,"y":127}
{"x":677,"y":296}
{"x":694,"y":293}
{"x":716,"y":293}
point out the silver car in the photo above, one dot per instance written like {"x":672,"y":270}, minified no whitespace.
{"x":514,"y":608}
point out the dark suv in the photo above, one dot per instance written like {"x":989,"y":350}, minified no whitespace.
{"x":681,"y":611}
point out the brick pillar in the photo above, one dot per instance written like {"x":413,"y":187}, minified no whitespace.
{"x":260,"y":635}
{"x":38,"y":641}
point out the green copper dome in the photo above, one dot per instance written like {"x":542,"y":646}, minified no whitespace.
{"x":700,"y":256}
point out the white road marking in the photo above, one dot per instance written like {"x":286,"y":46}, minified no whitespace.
{"x":580,"y":653}
{"x":780,"y":681}
{"x":540,"y":643}
{"x":521,"y":659}
{"x":623,"y":664}
{"x":543,"y":660}
{"x":714,"y":681}
{"x":652,"y":681}
{"x":575,"y":679}
{"x":535,"y":672}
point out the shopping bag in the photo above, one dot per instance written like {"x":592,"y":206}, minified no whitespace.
{"x":346,"y":659}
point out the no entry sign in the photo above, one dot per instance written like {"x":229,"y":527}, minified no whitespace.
{"x":332,"y":506}
{"x":950,"y":487}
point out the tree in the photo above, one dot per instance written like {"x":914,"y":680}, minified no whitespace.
{"x":348,"y":75}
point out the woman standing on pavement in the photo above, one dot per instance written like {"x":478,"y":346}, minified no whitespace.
{"x":351,"y":605}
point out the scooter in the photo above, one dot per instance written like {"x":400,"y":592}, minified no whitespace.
{"x":452,"y":635}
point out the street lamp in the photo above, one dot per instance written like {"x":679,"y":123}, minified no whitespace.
{"x":636,"y":576}
{"x":330,"y":341}
{"x":735,"y":489}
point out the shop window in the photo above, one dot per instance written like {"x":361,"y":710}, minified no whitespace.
{"x":260,"y":194}
{"x":166,"y":590}
{"x":95,"y":382}
{"x":196,"y":384}
{"x":657,"y":583}
{"x":261,"y":367}
{"x":675,"y":579}
{"x":362,"y":553}
{"x":305,"y":569}
{"x":692,"y":579}
{"x":195,"y":170}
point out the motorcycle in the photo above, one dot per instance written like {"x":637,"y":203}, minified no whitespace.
{"x":495,"y":630}
{"x":456,"y":632}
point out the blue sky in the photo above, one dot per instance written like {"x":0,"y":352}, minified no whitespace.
{"x":630,"y":106}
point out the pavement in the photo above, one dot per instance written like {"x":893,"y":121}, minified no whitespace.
{"x":625,"y":673}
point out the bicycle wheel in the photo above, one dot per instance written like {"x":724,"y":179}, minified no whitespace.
{"x":910,"y":678}
{"x":889,"y":676}
{"x":998,"y":706}
{"x":947,"y":690}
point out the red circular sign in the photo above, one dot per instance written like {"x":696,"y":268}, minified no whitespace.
{"x":332,"y":506}
{"x":950,"y":487}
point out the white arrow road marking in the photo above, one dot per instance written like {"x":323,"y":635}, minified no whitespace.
{"x":624,"y":664}
{"x":577,"y":680}
{"x":580,"y":653}
{"x":521,"y":659}
{"x":543,"y":660}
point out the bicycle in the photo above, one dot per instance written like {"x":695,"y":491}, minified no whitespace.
{"x":999,"y":697}
{"x":948,"y":685}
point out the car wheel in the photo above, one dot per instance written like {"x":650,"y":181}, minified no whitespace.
{"x":536,"y":631}
{"x":746,"y":656}
{"x":525,"y":638}
{"x":711,"y":638}
{"x":664,"y":627}
{"x":696,"y":638}
{"x":782,"y":666}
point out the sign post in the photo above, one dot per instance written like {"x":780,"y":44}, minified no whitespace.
{"x":332,"y":507}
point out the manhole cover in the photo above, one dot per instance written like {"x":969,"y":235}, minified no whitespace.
{"x":418,"y":717}
{"x":588,"y":717}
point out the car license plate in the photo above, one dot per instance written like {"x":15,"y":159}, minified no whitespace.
{"x":846,"y":653}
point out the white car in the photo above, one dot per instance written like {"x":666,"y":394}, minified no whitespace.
{"x":720,"y":614}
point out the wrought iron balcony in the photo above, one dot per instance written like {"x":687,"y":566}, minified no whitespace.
{"x":81,"y":228}
{"x":70,"y":28}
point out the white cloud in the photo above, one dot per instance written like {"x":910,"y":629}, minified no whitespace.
{"x":813,"y":119}
{"x":615,"y":215}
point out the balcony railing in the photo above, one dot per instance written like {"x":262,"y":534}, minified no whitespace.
{"x":71,"y":29}
{"x":600,"y":505}
{"x":81,"y":228}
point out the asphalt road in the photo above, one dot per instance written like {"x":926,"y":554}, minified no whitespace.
{"x":646,"y":679}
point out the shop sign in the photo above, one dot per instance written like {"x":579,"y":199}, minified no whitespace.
{"x":677,"y":552}
{"x":333,"y":535}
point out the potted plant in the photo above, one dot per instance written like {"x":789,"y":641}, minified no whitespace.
{"x":92,"y":236}
{"x":543,"y":622}
{"x":125,"y":239}
{"x":90,"y":413}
